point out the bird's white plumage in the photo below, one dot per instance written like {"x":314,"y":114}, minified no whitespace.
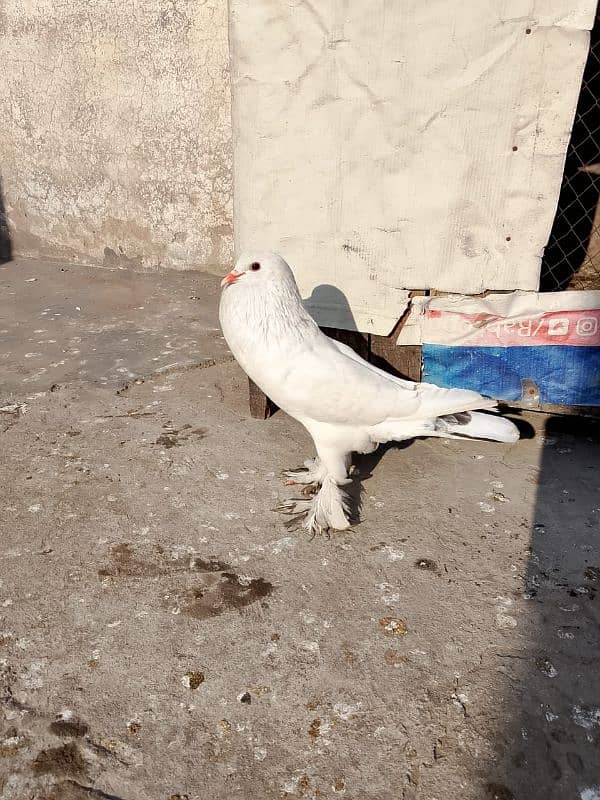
{"x":345,"y":403}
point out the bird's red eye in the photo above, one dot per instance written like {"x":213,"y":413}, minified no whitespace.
{"x":255,"y":266}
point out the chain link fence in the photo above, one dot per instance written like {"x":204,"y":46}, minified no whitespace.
{"x":572,"y":256}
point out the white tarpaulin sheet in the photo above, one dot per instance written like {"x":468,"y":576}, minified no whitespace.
{"x":382,"y":146}
{"x":521,"y":346}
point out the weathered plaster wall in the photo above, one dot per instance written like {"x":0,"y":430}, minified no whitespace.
{"x":115,"y":143}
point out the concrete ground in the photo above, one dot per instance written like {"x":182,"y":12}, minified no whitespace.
{"x":164,"y":636}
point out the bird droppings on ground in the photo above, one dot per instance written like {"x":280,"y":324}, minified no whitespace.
{"x":215,"y":596}
{"x":393,"y":626}
{"x":546,"y":667}
{"x":134,"y":727}
{"x":394,"y":658}
{"x":586,"y":717}
{"x":422,"y":639}
{"x":592,"y":574}
{"x":427,"y":564}
{"x":590,"y":793}
{"x":175,"y":438}
{"x":65,"y":759}
{"x":193,"y":679}
{"x":503,"y":618}
{"x":392,"y":554}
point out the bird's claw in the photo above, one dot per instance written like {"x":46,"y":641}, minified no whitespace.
{"x":292,"y":472}
{"x":296,"y":509}
{"x":298,"y":476}
{"x":310,"y":473}
{"x":308,"y":488}
{"x":293,"y":506}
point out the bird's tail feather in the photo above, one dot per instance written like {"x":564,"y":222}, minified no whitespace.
{"x":477,"y":425}
{"x":463,"y":424}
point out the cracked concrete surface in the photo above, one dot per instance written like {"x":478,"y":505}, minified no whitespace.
{"x":116,"y":133}
{"x":164,"y":636}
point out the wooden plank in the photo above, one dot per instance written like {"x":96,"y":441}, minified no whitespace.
{"x":551,"y":408}
{"x":404,"y":361}
{"x":261,"y":407}
{"x":358,"y":341}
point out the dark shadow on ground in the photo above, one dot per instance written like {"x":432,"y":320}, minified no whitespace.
{"x":365,"y":465}
{"x":5,"y":240}
{"x":548,"y":714}
{"x":551,"y":747}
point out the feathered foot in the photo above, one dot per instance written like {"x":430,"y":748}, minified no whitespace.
{"x":327,"y":510}
{"x":309,"y":476}
{"x":312,"y":473}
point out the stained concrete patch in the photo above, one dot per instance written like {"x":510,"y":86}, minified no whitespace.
{"x":63,"y":760}
{"x":162,"y":635}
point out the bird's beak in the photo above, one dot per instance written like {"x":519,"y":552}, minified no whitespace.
{"x":231,"y":278}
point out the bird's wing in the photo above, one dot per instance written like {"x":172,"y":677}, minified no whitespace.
{"x":348,"y":351}
{"x":433,"y":400}
{"x":328,"y":382}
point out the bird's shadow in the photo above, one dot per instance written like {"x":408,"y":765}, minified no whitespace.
{"x":364,"y":465}
{"x":329,"y":307}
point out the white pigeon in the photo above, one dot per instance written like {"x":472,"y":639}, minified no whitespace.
{"x":346,"y":404}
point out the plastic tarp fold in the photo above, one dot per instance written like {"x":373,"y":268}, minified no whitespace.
{"x":521,"y":346}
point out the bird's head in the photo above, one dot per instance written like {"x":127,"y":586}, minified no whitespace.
{"x":260,"y":270}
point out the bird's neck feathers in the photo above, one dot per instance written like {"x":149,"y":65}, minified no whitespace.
{"x":271,"y":312}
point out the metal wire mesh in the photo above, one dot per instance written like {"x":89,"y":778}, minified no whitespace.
{"x":572,"y":256}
